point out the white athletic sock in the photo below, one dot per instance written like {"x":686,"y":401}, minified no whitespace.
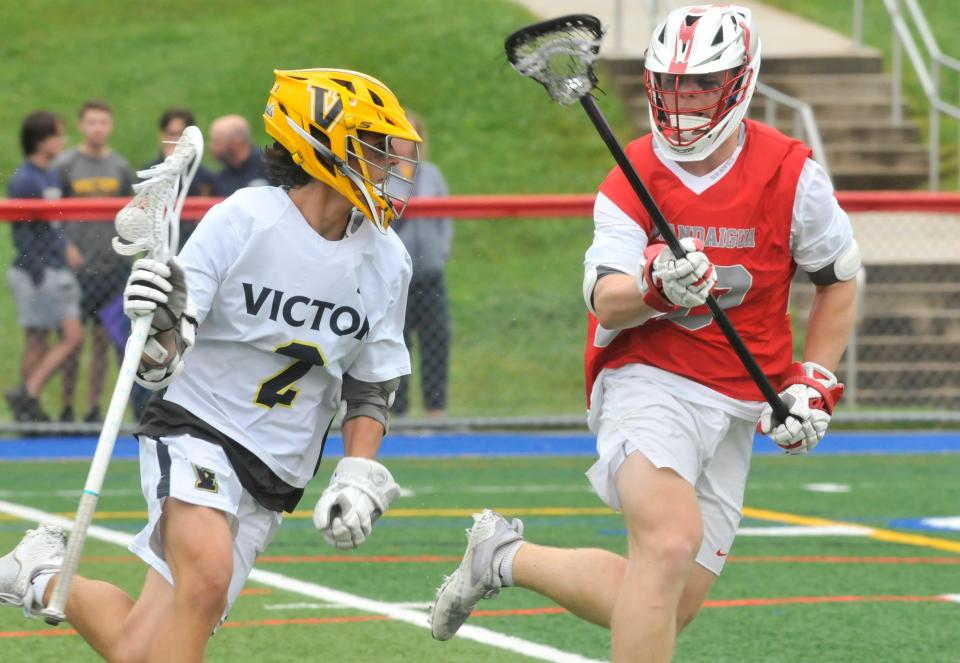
{"x":503,"y":559}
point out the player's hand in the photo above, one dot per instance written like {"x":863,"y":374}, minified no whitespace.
{"x":809,"y":396}
{"x":158,"y":288}
{"x":360,"y":491}
{"x":667,"y":282}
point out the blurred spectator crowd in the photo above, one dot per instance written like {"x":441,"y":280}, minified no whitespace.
{"x":67,"y":282}
{"x":65,"y":278}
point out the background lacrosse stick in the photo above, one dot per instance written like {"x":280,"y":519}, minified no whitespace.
{"x":149,"y":223}
{"x":559,"y":54}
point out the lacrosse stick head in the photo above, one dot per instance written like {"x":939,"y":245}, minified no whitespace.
{"x":151,"y":220}
{"x":559,"y":54}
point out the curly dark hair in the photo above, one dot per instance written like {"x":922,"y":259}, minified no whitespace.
{"x":282,"y":169}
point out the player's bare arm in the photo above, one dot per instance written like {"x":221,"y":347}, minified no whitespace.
{"x":663,"y":284}
{"x":831,"y":321}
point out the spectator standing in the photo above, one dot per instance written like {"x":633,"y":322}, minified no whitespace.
{"x":172,"y":123}
{"x":231,"y":145}
{"x":93,"y":170}
{"x":46,"y":292}
{"x":428,"y":241}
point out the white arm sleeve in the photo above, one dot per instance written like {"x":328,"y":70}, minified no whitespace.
{"x":384,"y":355}
{"x":208,"y":255}
{"x":618,"y":240}
{"x":820,"y":232}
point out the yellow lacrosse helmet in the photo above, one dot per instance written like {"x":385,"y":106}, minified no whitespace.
{"x":329,"y":120}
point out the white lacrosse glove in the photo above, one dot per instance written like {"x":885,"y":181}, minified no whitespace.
{"x":667,"y":282}
{"x":360,"y":491}
{"x":810,"y":396}
{"x":158,"y":288}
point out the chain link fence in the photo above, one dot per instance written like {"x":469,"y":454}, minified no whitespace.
{"x":498,"y":340}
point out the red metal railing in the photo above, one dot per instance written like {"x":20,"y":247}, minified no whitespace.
{"x":467,"y":207}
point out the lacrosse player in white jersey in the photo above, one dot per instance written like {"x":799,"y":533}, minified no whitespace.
{"x":285,"y":302}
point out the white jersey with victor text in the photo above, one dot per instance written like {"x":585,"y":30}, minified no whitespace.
{"x":283,"y":315}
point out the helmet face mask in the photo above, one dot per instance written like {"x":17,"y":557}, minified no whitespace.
{"x":341,"y":128}
{"x":688,"y":106}
{"x":383,"y":170}
{"x":700,"y":73}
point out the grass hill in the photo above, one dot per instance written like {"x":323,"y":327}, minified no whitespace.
{"x":514,"y":285}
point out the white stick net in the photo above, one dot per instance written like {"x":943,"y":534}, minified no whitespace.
{"x":150,"y":222}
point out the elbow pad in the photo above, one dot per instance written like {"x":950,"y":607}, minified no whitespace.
{"x":589,"y":283}
{"x":843,"y":268}
{"x":368,"y":399}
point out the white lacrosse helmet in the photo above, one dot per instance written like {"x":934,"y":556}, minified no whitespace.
{"x":700,"y":72}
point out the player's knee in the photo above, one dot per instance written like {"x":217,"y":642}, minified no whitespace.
{"x":206,"y":590}
{"x":204,"y":584}
{"x":671,"y":550}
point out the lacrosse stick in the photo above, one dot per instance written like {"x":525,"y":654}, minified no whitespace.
{"x":149,"y":223}
{"x":559,"y":54}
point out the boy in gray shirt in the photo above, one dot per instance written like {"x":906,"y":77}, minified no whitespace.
{"x":92,"y":170}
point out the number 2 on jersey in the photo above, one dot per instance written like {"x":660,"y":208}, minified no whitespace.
{"x":278,"y":389}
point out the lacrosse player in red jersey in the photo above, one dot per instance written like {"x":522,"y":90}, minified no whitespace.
{"x":673,"y":408}
{"x":289,"y":300}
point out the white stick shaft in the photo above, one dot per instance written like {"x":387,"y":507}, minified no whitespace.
{"x":54,"y":613}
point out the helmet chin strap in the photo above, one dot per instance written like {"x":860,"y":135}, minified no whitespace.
{"x":358,"y":182}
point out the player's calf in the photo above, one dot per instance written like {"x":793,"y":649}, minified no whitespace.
{"x":26,"y":570}
{"x":487,"y":563}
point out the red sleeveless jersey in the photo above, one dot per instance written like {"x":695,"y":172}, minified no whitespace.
{"x":744,"y":221}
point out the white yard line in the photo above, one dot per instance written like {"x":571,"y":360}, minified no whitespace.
{"x":329,"y":595}
{"x":806,"y":530}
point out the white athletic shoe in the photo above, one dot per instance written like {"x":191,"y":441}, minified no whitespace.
{"x":40,"y":550}
{"x":475,"y":578}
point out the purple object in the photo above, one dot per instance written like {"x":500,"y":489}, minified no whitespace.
{"x":116,"y":323}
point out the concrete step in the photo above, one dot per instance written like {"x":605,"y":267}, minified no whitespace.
{"x":866,"y":131}
{"x":882,"y":299}
{"x":842,"y":155}
{"x":840,"y":86}
{"x":907,"y":349}
{"x":898,"y":275}
{"x":913,"y":322}
{"x":829,"y":64}
{"x":907,"y":377}
{"x":804,"y":86}
{"x":779,"y":66}
{"x":862,"y":178}
{"x":936,"y":397}
{"x":852,"y":109}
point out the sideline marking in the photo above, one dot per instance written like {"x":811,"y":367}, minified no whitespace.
{"x":381,"y":610}
{"x":453,"y":559}
{"x":873,"y":532}
{"x":533,"y":612}
{"x":831,"y":527}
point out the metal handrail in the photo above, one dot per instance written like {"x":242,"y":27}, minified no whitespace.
{"x":929,"y":78}
{"x":804,"y":121}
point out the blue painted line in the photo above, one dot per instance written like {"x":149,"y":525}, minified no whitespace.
{"x":505,"y":444}
{"x":920,"y":524}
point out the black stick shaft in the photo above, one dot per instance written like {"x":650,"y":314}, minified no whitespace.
{"x":743,"y":352}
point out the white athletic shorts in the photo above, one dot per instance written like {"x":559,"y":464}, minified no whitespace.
{"x":706,"y":446}
{"x":195,"y":471}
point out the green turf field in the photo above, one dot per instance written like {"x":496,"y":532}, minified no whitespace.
{"x":790,"y":599}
